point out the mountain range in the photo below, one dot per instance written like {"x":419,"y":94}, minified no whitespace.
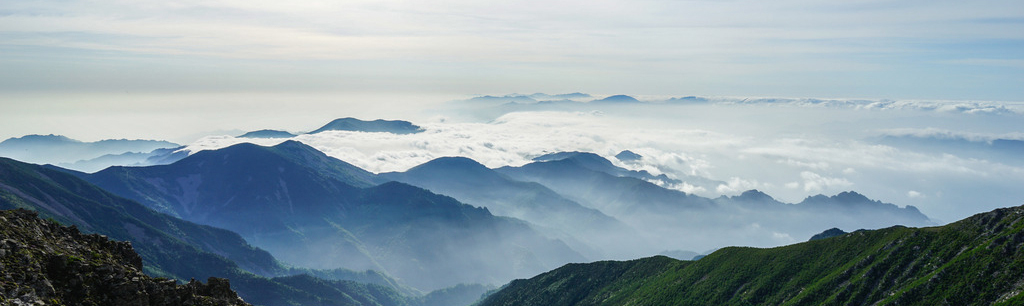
{"x":86,"y":156}
{"x":182,"y":250}
{"x":315,"y":211}
{"x":290,"y":225}
{"x":752,"y":218}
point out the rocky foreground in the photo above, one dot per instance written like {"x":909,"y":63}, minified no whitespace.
{"x":44,"y":263}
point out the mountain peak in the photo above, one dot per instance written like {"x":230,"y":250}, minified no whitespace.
{"x":754,"y":195}
{"x":829,"y":233}
{"x":619,"y":99}
{"x":379,"y":125}
{"x":628,"y":155}
{"x":453,"y":162}
{"x":267,"y":134}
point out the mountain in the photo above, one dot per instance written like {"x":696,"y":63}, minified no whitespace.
{"x":169,"y":247}
{"x":267,"y":134}
{"x":659,"y":214}
{"x":569,"y":96}
{"x":504,"y":99}
{"x":56,"y":149}
{"x":688,"y":99}
{"x":159,"y":239}
{"x":46,"y":263}
{"x":473,"y":183}
{"x":597,"y":183}
{"x":315,"y":211}
{"x":974,"y":261}
{"x":387,"y":126}
{"x":1001,"y":150}
{"x":597,"y":163}
{"x":628,"y":156}
{"x":829,"y":233}
{"x":156,"y":157}
{"x":617,"y":99}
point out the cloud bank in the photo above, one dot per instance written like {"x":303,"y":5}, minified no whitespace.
{"x":723,"y":149}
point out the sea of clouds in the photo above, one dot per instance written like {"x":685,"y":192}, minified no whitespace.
{"x":789,"y":148}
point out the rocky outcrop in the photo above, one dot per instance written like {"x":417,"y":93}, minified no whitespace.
{"x":44,"y":263}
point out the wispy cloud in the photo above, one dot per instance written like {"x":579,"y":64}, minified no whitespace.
{"x":745,"y":45}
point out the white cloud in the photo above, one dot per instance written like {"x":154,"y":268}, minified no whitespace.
{"x":914,"y":194}
{"x":715,"y":149}
{"x":814,"y":182}
{"x":735,"y":185}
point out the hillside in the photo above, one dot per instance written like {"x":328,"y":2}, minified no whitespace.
{"x":976,"y":261}
{"x":44,"y":263}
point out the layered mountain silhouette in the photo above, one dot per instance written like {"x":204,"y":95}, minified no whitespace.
{"x":974,"y":261}
{"x":379,"y":125}
{"x":473,"y":183}
{"x":182,"y":250}
{"x":315,"y":211}
{"x":752,"y":218}
{"x":61,"y":150}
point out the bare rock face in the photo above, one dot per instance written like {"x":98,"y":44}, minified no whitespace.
{"x":44,"y":263}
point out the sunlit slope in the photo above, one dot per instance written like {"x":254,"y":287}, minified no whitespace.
{"x":976,"y":261}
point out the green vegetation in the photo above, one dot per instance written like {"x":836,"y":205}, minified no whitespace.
{"x":979,"y":260}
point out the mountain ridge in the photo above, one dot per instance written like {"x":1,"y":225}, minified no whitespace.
{"x":972,"y":261}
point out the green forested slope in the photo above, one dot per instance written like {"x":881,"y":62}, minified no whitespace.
{"x":976,"y":261}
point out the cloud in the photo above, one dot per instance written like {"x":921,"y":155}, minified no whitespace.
{"x":601,"y":45}
{"x":715,"y":149}
{"x":814,"y":182}
{"x":944,"y":134}
{"x":736,"y":185}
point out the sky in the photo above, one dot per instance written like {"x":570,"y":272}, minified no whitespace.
{"x":197,"y":72}
{"x":951,"y":50}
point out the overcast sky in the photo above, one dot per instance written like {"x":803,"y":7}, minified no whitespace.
{"x":905,"y":49}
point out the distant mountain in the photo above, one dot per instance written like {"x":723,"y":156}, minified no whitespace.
{"x":829,"y":233}
{"x":45,"y":263}
{"x":617,"y":99}
{"x":600,"y":164}
{"x":1001,"y":150}
{"x":628,"y":156}
{"x":472,"y":183}
{"x":267,"y":134}
{"x":156,"y":157}
{"x":569,"y":96}
{"x":56,"y":149}
{"x":975,"y":261}
{"x":599,"y":184}
{"x":387,"y":126}
{"x":752,"y":218}
{"x":504,"y":99}
{"x":319,"y":212}
{"x":688,"y":99}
